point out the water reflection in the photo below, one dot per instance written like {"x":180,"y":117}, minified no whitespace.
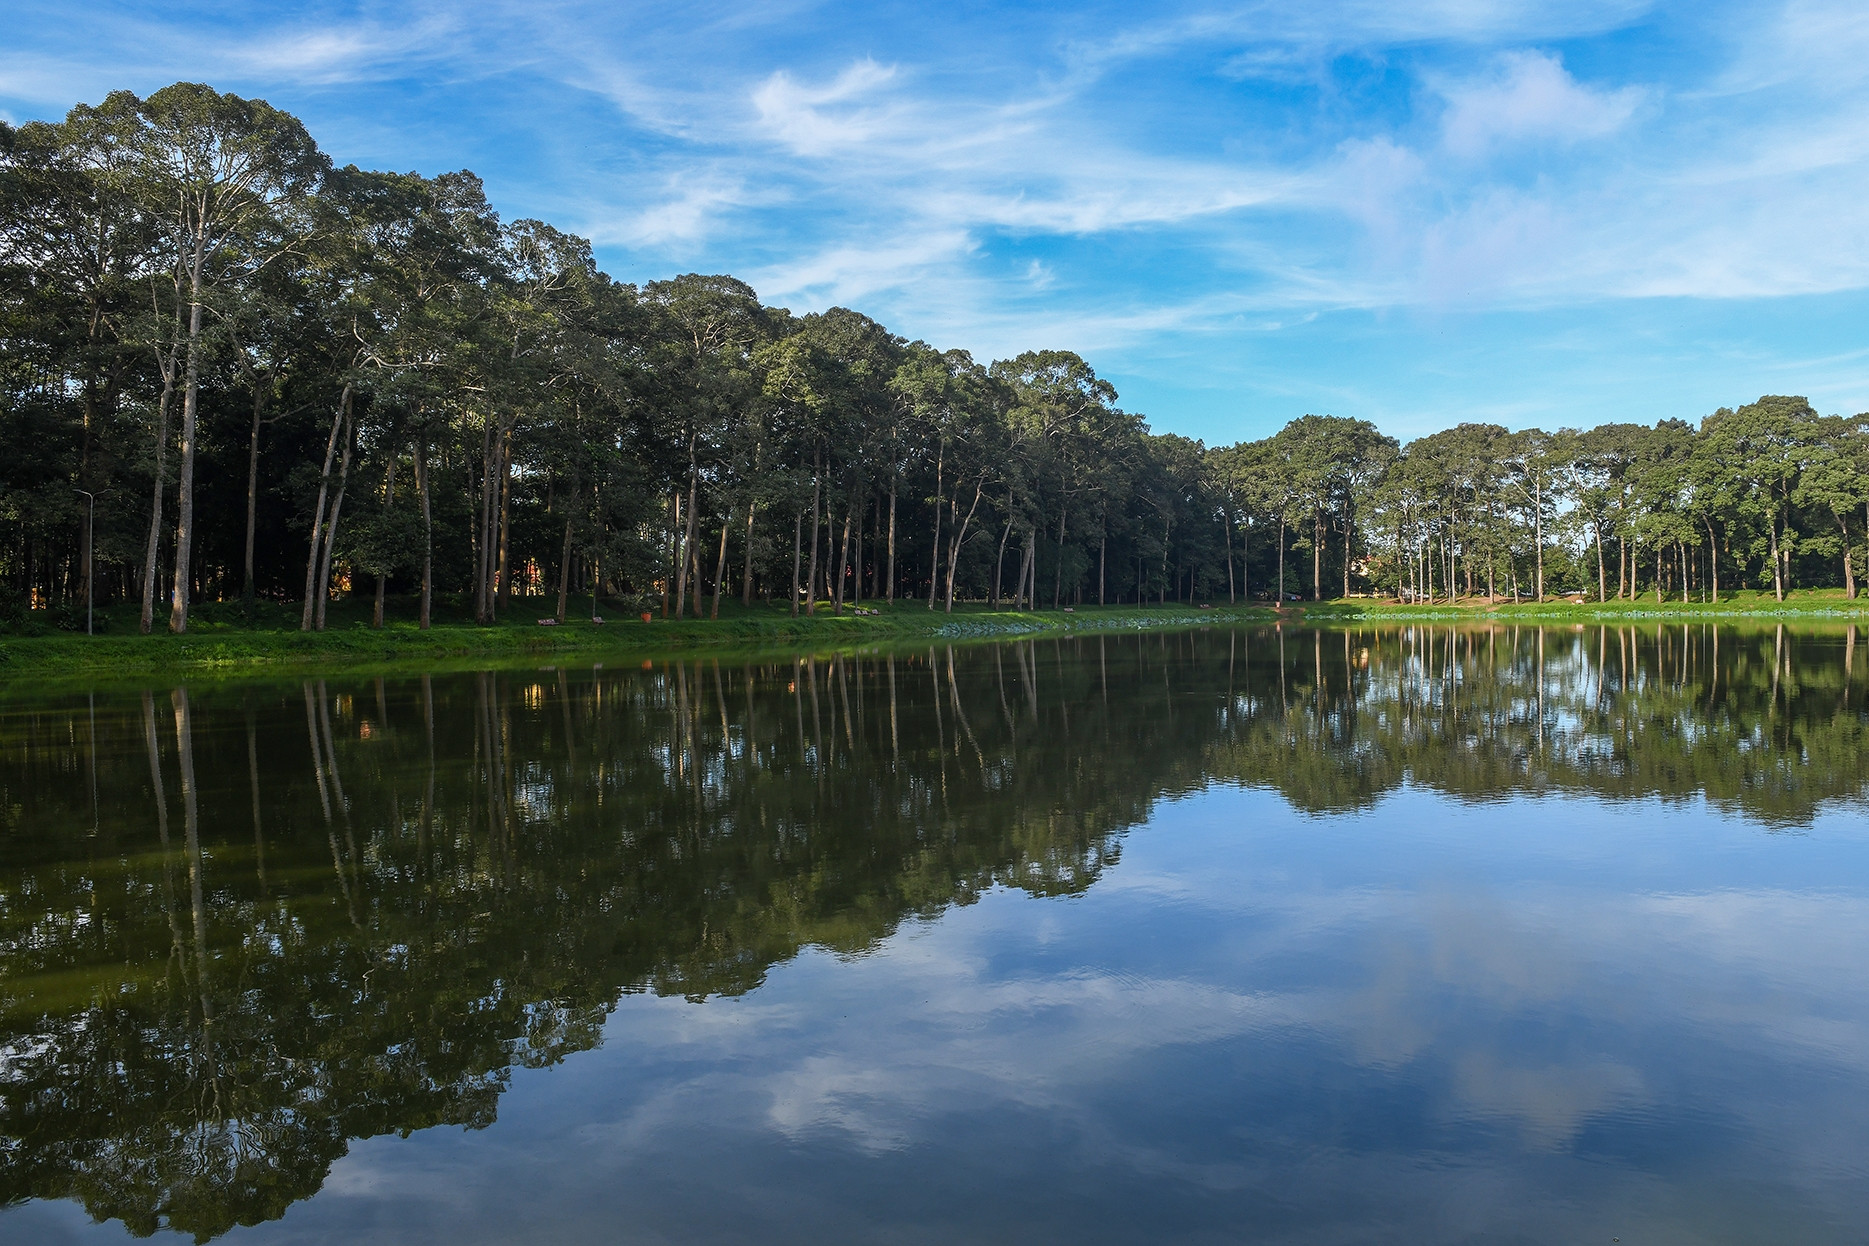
{"x":242,"y":927}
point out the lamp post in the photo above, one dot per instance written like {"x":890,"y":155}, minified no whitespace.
{"x":90,"y":539}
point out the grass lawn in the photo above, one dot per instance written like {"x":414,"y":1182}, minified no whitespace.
{"x":226,"y":637}
{"x":1814,"y":604}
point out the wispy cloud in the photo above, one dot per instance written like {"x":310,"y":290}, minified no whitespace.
{"x":1530,"y":98}
{"x":1177,"y":169}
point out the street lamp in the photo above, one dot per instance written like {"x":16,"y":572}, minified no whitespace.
{"x":90,"y":539}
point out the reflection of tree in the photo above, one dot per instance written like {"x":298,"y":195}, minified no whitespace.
{"x":1763,"y":723}
{"x":461,"y":874}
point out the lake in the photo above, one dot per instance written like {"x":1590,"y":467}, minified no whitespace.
{"x":1416,"y":934}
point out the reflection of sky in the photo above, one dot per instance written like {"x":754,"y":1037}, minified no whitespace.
{"x":1537,"y":1021}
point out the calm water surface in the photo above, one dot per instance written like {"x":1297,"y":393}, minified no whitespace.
{"x":1317,"y":936}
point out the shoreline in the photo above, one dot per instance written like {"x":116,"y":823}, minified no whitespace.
{"x":233,"y":649}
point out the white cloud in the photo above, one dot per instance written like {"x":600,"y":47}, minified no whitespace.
{"x":815,"y":120}
{"x":687,"y":212}
{"x":1532,"y":97}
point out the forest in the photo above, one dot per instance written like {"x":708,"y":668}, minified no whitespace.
{"x":234,"y":372}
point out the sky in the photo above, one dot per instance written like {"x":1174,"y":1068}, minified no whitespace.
{"x":1413,"y":213}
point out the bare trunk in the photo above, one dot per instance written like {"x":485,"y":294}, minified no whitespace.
{"x":798,"y":530}
{"x":313,"y":558}
{"x":891,"y":590}
{"x":330,"y":534}
{"x":960,"y":538}
{"x":811,"y":577}
{"x":843,"y":563}
{"x":999,"y":564}
{"x":1778,"y":566}
{"x":504,"y":596}
{"x":483,"y":565}
{"x":253,"y":490}
{"x":746,"y":590}
{"x":185,"y":484}
{"x":1538,"y":530}
{"x":720,"y":564}
{"x":155,"y":506}
{"x":389,"y":502}
{"x":1280,"y":597}
{"x":1025,"y":570}
{"x":1849,"y":572}
{"x":564,"y":574}
{"x":934,"y":559}
{"x":1057,"y":572}
{"x":1348,"y":528}
{"x":685,"y":549}
{"x":1602,"y":577}
{"x":428,"y":528}
{"x":1226,"y":529}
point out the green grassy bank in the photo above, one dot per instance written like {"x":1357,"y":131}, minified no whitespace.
{"x":227,"y":638}
{"x":1810,"y":605}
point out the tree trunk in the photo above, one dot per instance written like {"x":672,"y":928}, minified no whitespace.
{"x":1713,"y":560}
{"x":720,"y":564}
{"x":504,"y":596}
{"x":1280,"y":597}
{"x":746,"y":590}
{"x":1025,"y":570}
{"x":688,"y":530}
{"x":1778,"y":577}
{"x":959,"y":539}
{"x":253,"y":489}
{"x":999,"y":564}
{"x":389,"y":501}
{"x":155,"y":507}
{"x":1602,"y":577}
{"x":185,"y":484}
{"x":934,"y":559}
{"x":312,"y":560}
{"x":1348,"y":527}
{"x":843,"y":562}
{"x":1057,"y":572}
{"x":798,"y":532}
{"x":564,"y":574}
{"x":891,"y":590}
{"x":811,"y":579}
{"x":673,"y":525}
{"x":1849,"y":572}
{"x":483,"y":564}
{"x":1538,"y":530}
{"x":330,"y":533}
{"x":856,"y":555}
{"x":428,"y":528}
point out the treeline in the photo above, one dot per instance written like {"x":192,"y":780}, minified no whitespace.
{"x":232,"y":371}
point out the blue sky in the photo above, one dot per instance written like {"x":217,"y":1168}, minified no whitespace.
{"x":1414,"y":213}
